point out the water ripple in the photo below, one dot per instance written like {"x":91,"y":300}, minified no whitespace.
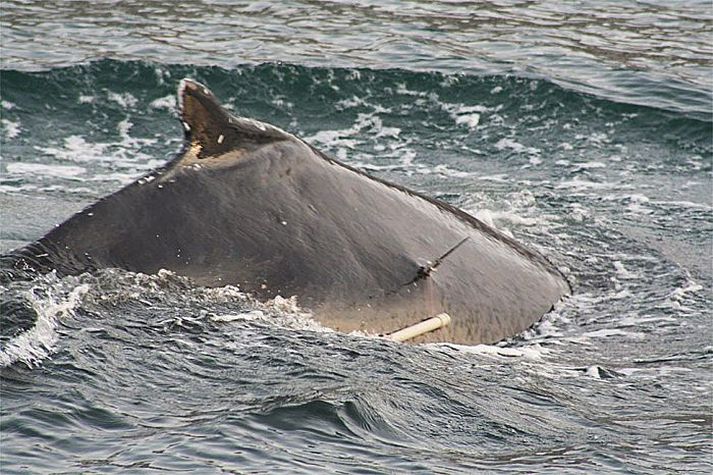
{"x":646,"y":53}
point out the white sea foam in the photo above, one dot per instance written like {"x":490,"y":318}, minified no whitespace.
{"x":166,"y":102}
{"x":17,"y":188}
{"x":343,"y":137}
{"x":354,"y":101}
{"x":579,"y":184}
{"x":553,"y":324}
{"x":499,"y":178}
{"x":497,"y":218}
{"x":334,"y":138}
{"x":578,"y":212}
{"x":123,"y":127}
{"x":593,"y":372}
{"x":521,"y":209}
{"x":636,"y":321}
{"x":598,"y":138}
{"x":388,"y":131}
{"x":403,"y":90}
{"x":533,"y":352}
{"x":279,"y":311}
{"x":685,"y":204}
{"x":125,"y":100}
{"x":282,"y":103}
{"x":77,"y":149}
{"x":506,"y":143}
{"x":517,"y":147}
{"x":682,"y":293}
{"x":368,"y":128}
{"x":623,"y":273}
{"x":637,"y":198}
{"x":35,"y":169}
{"x":12,"y":129}
{"x":445,"y":170}
{"x":610,"y":332}
{"x":124,"y":154}
{"x":349,"y":103}
{"x":588,"y":165}
{"x":468,"y":115}
{"x":471,"y":120}
{"x":243,"y":316}
{"x":36,"y":344}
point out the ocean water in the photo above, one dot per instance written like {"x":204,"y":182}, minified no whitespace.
{"x":585,"y":130}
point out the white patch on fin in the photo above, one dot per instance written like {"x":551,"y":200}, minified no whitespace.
{"x":181,"y":89}
{"x":239,"y":121}
{"x":255,"y":123}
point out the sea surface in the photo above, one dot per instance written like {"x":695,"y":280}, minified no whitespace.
{"x":584,"y":129}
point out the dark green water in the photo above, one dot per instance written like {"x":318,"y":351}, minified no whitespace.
{"x":584,"y":132}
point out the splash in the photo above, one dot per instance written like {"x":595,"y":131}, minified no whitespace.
{"x":51,"y":305}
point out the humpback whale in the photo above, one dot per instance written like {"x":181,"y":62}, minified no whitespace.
{"x":247,"y":204}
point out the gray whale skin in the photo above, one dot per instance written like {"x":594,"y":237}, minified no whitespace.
{"x":247,"y":204}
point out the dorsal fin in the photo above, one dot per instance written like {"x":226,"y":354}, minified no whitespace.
{"x":210,"y":130}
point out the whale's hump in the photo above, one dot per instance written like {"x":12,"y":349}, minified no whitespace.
{"x":210,"y":130}
{"x":244,"y":203}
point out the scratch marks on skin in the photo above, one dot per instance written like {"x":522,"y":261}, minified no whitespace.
{"x":196,"y":157}
{"x":146,"y":179}
{"x":260,"y":125}
{"x":196,"y":149}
